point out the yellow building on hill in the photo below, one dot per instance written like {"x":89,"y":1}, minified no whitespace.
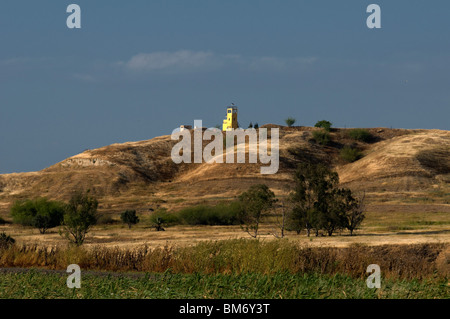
{"x":231,"y":121}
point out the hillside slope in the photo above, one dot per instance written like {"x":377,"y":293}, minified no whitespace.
{"x":142,"y":173}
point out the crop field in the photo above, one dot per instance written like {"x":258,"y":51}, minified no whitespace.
{"x":236,"y":269}
{"x":409,"y":241}
{"x":36,"y":284}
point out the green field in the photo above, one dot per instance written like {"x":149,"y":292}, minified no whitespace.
{"x":35,"y":284}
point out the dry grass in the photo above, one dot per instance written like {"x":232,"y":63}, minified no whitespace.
{"x":404,"y":162}
{"x":384,"y":224}
{"x":243,"y":256}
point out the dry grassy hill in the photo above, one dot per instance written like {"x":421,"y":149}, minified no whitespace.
{"x":142,"y":174}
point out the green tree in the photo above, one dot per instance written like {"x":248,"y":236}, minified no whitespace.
{"x":250,"y":125}
{"x":354,"y":215}
{"x":289,"y":121}
{"x":326,"y":125}
{"x":256,"y":126}
{"x":318,"y":203}
{"x":79,"y":217}
{"x":129,"y":217}
{"x":310,"y":197}
{"x":255,"y":203}
{"x":332,"y":218}
{"x":40,"y":213}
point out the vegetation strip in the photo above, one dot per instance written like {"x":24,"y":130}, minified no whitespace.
{"x":200,"y":286}
{"x":418,"y":261}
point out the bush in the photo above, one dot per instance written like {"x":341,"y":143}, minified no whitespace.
{"x":129,"y":217}
{"x":221,"y":214}
{"x":289,"y":121}
{"x":350,"y":154}
{"x":105,"y":219}
{"x":326,"y":125}
{"x":6,"y":240}
{"x":361,"y":135}
{"x":2,"y":221}
{"x":40,"y":213}
{"x":161,"y":218}
{"x":322,"y":137}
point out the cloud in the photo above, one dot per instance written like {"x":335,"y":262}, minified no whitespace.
{"x":183,"y":60}
{"x":194,"y":61}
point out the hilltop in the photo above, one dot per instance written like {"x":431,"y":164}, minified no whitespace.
{"x":396,"y":163}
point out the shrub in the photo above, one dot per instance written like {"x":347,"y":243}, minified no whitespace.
{"x":322,"y":137}
{"x":161,"y":218}
{"x":6,"y":240}
{"x":289,"y":121}
{"x":40,"y":213}
{"x":105,"y":219}
{"x":221,"y":214}
{"x":326,"y":125}
{"x":350,"y":154}
{"x":360,"y":134}
{"x":2,"y":221}
{"x":129,"y":217}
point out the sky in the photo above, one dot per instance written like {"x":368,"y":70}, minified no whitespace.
{"x":138,"y":69}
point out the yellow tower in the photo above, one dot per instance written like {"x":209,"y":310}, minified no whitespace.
{"x":231,"y":121}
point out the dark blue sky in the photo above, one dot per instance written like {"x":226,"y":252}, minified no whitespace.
{"x":138,"y":69}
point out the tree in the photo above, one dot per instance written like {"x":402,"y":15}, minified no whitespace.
{"x":310,"y":197}
{"x":337,"y":204}
{"x":79,"y":217}
{"x":313,"y":183}
{"x":289,"y":121}
{"x":319,"y":204}
{"x":40,"y":213}
{"x":250,"y":125}
{"x":326,"y":125}
{"x":129,"y":217}
{"x":254,"y":204}
{"x":355,"y":215}
{"x":282,"y":224}
{"x":256,"y":126}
